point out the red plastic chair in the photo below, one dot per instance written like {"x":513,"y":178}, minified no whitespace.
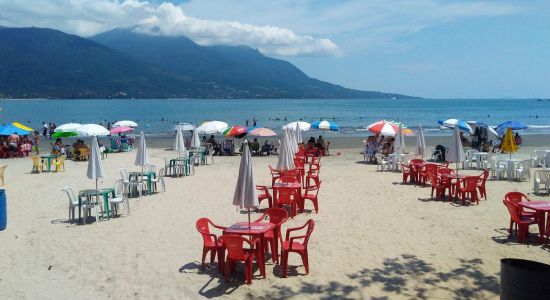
{"x":299,"y":165}
{"x":523,"y":222}
{"x":481,"y":184}
{"x":263,"y":194}
{"x":428,"y":168}
{"x":516,"y":197}
{"x":277,"y":216}
{"x":234,"y":244}
{"x":296,"y":173}
{"x":469,"y":187}
{"x":210,"y":241}
{"x":287,"y":196}
{"x":313,"y":175}
{"x":289,"y":179}
{"x":311,"y":192}
{"x":275,"y":174}
{"x":291,"y":245}
{"x":406,"y":171}
{"x":437,"y":185}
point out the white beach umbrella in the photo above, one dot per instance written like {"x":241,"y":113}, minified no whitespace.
{"x":304,"y":126}
{"x":125,"y":123}
{"x":69,"y":127}
{"x":179,"y":143}
{"x":456,"y":152}
{"x":195,"y":140}
{"x":420,"y":142}
{"x":245,"y":191}
{"x":212,"y":127}
{"x":293,"y":144}
{"x":286,"y":158}
{"x":95,"y":165}
{"x":92,"y":130}
{"x":399,"y":144}
{"x":142,"y":158}
{"x":298,"y":133}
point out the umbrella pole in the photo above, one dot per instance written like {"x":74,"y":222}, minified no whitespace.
{"x":249,"y":219}
{"x":96,"y":198}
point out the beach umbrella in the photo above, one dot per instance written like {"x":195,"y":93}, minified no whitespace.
{"x":64,"y":134}
{"x":179,"y":143}
{"x":399,"y":144}
{"x":509,"y":143}
{"x":245,"y":191}
{"x":293,"y":143}
{"x":304,"y":126}
{"x":452,"y":123}
{"x":286,"y":158}
{"x":420,"y":142}
{"x":10,"y":129}
{"x":142,"y":158}
{"x":125,"y":123}
{"x":195,"y":140}
{"x":325,"y":125}
{"x":298,"y":133}
{"x":21,"y":126}
{"x":212,"y":127}
{"x":456,"y":152}
{"x":492,"y":134}
{"x":92,"y":130}
{"x":237,"y":130}
{"x":385,"y":128}
{"x":95,"y":165}
{"x":68,"y":127}
{"x":514,"y":125}
{"x":121,"y":129}
{"x":261,"y":131}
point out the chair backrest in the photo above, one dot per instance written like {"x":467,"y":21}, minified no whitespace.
{"x":70,"y":193}
{"x":483,"y":177}
{"x":234,"y":244}
{"x":204,"y":229}
{"x":274,"y":172}
{"x":84,"y":151}
{"x":119,"y":188}
{"x":379,"y":158}
{"x":151,"y":168}
{"x":161,"y":172}
{"x":526,"y":165}
{"x":276,"y":215}
{"x":292,"y":173}
{"x":430,"y":168}
{"x":2,"y":170}
{"x":262,"y":188}
{"x":404,"y":167}
{"x":289,"y":179}
{"x":444,"y":171}
{"x":513,"y":210}
{"x":544,"y":176}
{"x":124,"y":174}
{"x":470,"y":183}
{"x":416,"y":161}
{"x":309,"y":231}
{"x":286,"y":195}
{"x":36,"y":160}
{"x":515,"y":197}
{"x":315,"y":188}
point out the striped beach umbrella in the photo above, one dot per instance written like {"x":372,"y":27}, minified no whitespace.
{"x":385,"y":128}
{"x":460,"y":124}
{"x":325,"y":125}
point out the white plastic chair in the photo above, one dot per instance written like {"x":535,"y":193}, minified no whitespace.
{"x":383,"y":164}
{"x":159,"y":179}
{"x":120,"y":197}
{"x":497,"y":170}
{"x":541,"y":177}
{"x":86,"y":206}
{"x":130,"y":186}
{"x":167,"y":167}
{"x":523,"y":171}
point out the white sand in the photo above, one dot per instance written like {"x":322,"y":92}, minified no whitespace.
{"x":373,"y":238}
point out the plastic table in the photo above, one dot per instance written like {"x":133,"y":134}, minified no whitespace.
{"x":541,"y":208}
{"x":148,"y":175}
{"x":48,"y":158}
{"x":92,"y":192}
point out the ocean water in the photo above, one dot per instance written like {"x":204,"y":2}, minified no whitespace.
{"x":157,"y":117}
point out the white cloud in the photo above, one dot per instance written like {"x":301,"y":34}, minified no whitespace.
{"x":89,"y":17}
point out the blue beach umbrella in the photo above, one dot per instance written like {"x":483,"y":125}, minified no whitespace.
{"x":325,"y":125}
{"x":10,"y":129}
{"x":452,"y":123}
{"x":514,"y":125}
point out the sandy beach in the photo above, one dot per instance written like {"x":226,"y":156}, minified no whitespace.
{"x":374,"y":237}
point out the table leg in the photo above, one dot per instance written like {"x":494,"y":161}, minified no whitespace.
{"x":262,"y":255}
{"x":275,"y":252}
{"x":510,"y":169}
{"x":79,"y":208}
{"x":149,"y":184}
{"x":106,"y":204}
{"x":300,"y":200}
{"x":542,"y":225}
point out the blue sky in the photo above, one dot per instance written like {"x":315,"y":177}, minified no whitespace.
{"x":428,"y":48}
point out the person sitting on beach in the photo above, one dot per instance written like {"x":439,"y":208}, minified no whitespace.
{"x":255,"y":147}
{"x":320,"y":143}
{"x":372,"y":146}
{"x":485,"y":146}
{"x":311,"y":143}
{"x":57,"y":147}
{"x":388,"y":147}
{"x":215,"y":146}
{"x":518,"y":139}
{"x":464,"y":140}
{"x":266,"y":148}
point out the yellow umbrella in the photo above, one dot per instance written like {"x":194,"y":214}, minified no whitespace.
{"x":508,"y":142}
{"x":21,"y":126}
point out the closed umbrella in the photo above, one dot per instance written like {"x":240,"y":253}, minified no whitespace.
{"x":245,"y":191}
{"x":212,"y":127}
{"x":195,"y":140}
{"x":68,"y":127}
{"x":420,"y":142}
{"x":456,"y":152}
{"x":95,"y":165}
{"x":92,"y":130}
{"x":399,"y":144}
{"x":125,"y":123}
{"x":286,"y":158}
{"x":179,"y":143}
{"x":298,"y":133}
{"x":304,"y":126}
{"x":293,"y":144}
{"x":141,"y":157}
{"x":509,"y":143}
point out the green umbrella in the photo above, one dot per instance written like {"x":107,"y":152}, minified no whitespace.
{"x":64,"y":134}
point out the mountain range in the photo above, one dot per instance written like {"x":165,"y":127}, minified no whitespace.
{"x":46,"y":63}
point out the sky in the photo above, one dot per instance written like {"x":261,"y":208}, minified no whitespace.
{"x":426,"y":48}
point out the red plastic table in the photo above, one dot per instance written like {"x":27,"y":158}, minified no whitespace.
{"x":289,"y":185}
{"x":457,"y":178}
{"x":541,"y":208}
{"x":255,"y":229}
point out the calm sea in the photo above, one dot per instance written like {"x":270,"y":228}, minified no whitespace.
{"x":159,"y":116}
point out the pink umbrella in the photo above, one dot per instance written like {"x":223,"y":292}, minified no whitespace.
{"x":121,"y":129}
{"x":262,"y":132}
